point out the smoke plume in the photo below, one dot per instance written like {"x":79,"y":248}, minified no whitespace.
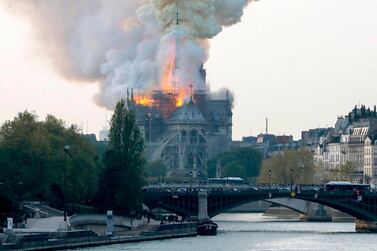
{"x":124,"y":44}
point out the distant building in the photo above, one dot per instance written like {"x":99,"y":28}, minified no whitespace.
{"x":268,"y":144}
{"x":370,"y":159}
{"x":90,"y":137}
{"x":104,"y":134}
{"x":249,"y":140}
{"x":284,"y":139}
{"x":266,"y":139}
{"x":313,"y":137}
{"x":351,"y":141}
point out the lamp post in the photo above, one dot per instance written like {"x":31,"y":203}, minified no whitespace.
{"x":150,"y":126}
{"x":342,"y":162}
{"x":199,"y":173}
{"x":269,"y":175}
{"x":190,"y":180}
{"x":66,"y":151}
{"x":291,"y":172}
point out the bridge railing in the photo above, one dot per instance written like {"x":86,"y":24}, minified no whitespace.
{"x":274,"y":188}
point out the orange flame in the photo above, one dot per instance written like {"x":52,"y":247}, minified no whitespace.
{"x":167,"y":74}
{"x":148,"y":101}
{"x":167,"y":82}
{"x":180,"y":97}
{"x":143,"y":100}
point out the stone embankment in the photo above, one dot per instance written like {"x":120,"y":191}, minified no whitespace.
{"x":81,"y":239}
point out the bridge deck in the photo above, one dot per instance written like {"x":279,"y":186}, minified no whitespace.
{"x":183,"y":198}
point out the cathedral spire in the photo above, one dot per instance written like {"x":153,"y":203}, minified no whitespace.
{"x":174,"y":82}
{"x":177,"y":20}
{"x":191,"y":92}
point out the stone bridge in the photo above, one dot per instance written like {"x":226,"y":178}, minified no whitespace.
{"x":211,"y":201}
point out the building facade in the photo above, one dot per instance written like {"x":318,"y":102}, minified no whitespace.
{"x":185,"y":137}
{"x":370,"y":159}
{"x":351,"y":143}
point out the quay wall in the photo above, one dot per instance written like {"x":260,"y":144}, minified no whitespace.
{"x":162,"y":232}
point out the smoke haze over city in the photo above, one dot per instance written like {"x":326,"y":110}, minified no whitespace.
{"x":129,"y":44}
{"x":271,"y":75}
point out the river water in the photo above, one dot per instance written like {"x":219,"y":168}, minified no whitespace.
{"x":238,"y":232}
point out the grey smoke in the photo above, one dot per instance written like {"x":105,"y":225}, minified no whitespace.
{"x":122,"y":44}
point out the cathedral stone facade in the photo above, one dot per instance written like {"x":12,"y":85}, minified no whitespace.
{"x":185,"y":137}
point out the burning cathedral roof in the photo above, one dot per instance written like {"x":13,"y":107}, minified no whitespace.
{"x":187,"y":114}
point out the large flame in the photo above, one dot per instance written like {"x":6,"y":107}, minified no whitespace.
{"x":169,"y":82}
{"x":180,"y":98}
{"x":167,"y":77}
{"x":147,"y":100}
{"x":143,"y":100}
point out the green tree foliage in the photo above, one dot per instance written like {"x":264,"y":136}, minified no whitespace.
{"x":240,"y":162}
{"x":121,"y":181}
{"x":301,"y":162}
{"x":234,"y":169}
{"x":156,"y":169}
{"x":32,"y":160}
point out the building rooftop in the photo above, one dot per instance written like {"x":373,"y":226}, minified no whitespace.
{"x":187,"y":114}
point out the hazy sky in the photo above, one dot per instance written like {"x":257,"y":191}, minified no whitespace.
{"x":301,"y":63}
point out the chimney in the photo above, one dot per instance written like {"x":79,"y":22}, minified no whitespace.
{"x":266,"y":126}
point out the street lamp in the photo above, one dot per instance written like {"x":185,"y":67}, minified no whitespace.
{"x":291,"y":172}
{"x":150,"y":126}
{"x":199,"y":173}
{"x":269,"y":175}
{"x":190,"y":180}
{"x":66,"y":151}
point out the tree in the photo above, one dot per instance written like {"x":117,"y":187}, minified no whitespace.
{"x":346,"y":171}
{"x":301,"y":163}
{"x":122,"y":179}
{"x":156,"y":169}
{"x":32,"y":160}
{"x":246,"y":162}
{"x":320,"y":175}
{"x":234,"y":169}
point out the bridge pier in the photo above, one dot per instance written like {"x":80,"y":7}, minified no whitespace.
{"x":366,"y":226}
{"x":203,"y":205}
{"x":316,"y":212}
{"x":204,"y":226}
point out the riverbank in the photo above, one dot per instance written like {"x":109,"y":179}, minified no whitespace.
{"x":52,"y":242}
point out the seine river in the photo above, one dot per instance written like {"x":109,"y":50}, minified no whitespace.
{"x":255,"y":232}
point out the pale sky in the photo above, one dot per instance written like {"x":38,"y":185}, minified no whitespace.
{"x":301,"y":63}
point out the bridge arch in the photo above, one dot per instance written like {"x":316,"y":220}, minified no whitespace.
{"x":349,"y":208}
{"x":219,"y":201}
{"x":363,"y":210}
{"x":297,"y":205}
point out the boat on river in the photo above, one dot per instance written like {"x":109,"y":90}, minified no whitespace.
{"x":206,"y":227}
